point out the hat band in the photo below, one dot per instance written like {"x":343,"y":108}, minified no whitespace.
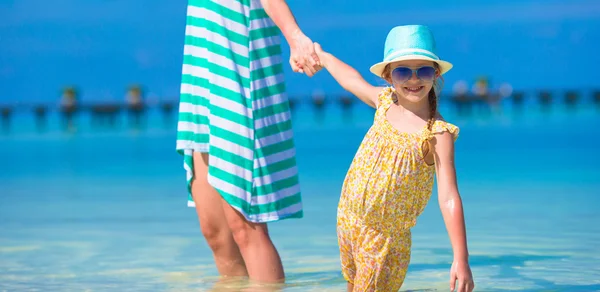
{"x":406,"y":52}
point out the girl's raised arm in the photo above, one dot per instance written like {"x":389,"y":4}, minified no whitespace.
{"x":349,"y":78}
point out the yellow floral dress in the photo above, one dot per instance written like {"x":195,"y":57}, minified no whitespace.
{"x":386,"y":188}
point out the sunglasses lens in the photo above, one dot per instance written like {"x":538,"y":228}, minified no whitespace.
{"x":401,"y":74}
{"x":426,"y":73}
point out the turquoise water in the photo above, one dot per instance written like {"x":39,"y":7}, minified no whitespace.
{"x":105,"y":209}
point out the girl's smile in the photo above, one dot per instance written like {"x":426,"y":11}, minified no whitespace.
{"x":413,"y":89}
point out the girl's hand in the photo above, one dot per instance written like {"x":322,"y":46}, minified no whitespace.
{"x":320,"y":53}
{"x":461,"y":272}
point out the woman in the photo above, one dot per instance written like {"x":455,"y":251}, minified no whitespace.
{"x":234,"y":128}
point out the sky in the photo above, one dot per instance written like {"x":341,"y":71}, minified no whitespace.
{"x":103,"y":46}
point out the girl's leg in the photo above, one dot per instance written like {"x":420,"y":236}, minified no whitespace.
{"x":346,"y":231}
{"x":213,"y":223}
{"x":383,"y":260}
{"x":261,"y":257}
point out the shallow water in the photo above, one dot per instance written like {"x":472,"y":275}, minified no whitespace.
{"x":105,"y":209}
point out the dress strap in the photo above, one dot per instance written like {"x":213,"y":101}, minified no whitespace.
{"x":438,"y":127}
{"x":385,"y":99}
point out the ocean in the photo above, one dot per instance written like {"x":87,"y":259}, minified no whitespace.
{"x":104,"y":209}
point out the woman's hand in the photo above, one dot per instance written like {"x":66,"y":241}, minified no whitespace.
{"x":303,"y":57}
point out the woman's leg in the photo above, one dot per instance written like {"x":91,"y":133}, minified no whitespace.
{"x":261,"y":257}
{"x":213,"y":223}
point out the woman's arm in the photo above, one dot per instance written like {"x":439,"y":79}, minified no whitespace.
{"x":303,"y":58}
{"x":349,"y":78}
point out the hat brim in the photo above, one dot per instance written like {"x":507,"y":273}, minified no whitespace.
{"x":377,"y":69}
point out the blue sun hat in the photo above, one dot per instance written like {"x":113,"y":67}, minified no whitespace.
{"x":410,"y":42}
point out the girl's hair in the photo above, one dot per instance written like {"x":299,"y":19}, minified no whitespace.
{"x":432,"y":97}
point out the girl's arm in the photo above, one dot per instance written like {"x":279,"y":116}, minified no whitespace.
{"x":452,"y":208}
{"x":448,"y":197}
{"x":349,"y":78}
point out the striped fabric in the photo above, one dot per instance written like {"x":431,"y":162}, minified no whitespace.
{"x":234,"y":107}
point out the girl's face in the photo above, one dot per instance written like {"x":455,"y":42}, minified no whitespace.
{"x":413,"y":79}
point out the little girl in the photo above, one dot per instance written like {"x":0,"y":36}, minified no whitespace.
{"x":390,"y":179}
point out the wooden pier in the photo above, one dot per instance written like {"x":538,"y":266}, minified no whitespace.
{"x":464,"y":103}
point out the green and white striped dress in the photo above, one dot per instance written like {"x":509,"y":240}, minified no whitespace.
{"x":234,"y":107}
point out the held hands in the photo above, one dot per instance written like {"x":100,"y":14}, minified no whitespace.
{"x":320,"y":53}
{"x":461,"y":272}
{"x":303,"y":57}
